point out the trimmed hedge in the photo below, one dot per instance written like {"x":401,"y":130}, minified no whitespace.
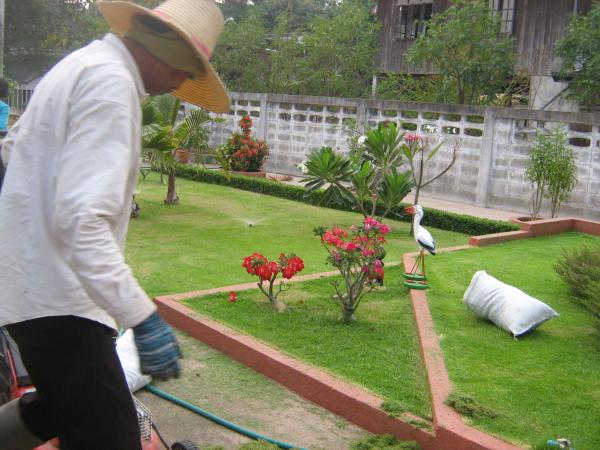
{"x":436,"y":218}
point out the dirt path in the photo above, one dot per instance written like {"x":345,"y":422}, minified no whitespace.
{"x":222,"y":386}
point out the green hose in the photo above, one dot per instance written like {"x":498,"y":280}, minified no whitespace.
{"x":217,"y":419}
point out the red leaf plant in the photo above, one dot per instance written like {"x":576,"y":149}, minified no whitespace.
{"x":357,"y":254}
{"x":267,"y":271}
{"x":245,"y":152}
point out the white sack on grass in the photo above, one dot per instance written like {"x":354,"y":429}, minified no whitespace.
{"x":130,"y":361}
{"x":508,"y":307}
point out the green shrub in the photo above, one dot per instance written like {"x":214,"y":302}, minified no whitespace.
{"x":580,"y":269}
{"x":384,"y":442}
{"x":469,"y":407}
{"x":394,"y":408}
{"x":551,"y":170}
{"x":443,"y":220}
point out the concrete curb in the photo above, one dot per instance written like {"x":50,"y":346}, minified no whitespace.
{"x":536,"y":228}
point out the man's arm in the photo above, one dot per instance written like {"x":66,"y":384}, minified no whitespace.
{"x":91,"y":187}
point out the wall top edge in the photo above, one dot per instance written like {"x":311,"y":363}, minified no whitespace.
{"x":449,"y":108}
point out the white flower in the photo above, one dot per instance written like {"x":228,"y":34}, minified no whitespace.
{"x":362,"y":140}
{"x":302,"y":167}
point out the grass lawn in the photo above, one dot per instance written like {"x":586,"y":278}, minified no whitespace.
{"x":378,"y":351}
{"x":200,"y":243}
{"x":545,"y":384}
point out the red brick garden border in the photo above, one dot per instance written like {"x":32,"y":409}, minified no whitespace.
{"x":349,"y":401}
{"x":538,"y":228}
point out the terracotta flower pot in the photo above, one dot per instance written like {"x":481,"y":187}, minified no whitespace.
{"x":182,"y":155}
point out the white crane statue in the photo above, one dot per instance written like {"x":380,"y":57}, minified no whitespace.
{"x":425,"y":242}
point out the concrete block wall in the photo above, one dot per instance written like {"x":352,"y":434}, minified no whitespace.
{"x":489,"y":171}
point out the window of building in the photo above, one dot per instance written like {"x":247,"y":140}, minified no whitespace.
{"x":411,"y":18}
{"x":506,"y":9}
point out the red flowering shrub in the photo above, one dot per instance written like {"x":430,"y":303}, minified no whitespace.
{"x":357,"y":255}
{"x":267,"y":271}
{"x":246,"y":153}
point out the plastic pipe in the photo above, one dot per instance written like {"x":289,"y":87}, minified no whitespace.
{"x":217,"y":419}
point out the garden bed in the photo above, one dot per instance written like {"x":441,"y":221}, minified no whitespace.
{"x":544,"y":385}
{"x":378,"y":351}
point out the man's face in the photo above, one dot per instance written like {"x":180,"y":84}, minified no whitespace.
{"x":160,"y":78}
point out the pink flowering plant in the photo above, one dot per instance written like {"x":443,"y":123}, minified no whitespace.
{"x":417,"y":149}
{"x":267,"y":272}
{"x":357,"y":254}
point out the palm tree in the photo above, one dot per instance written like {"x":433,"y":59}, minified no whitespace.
{"x":367,"y":177}
{"x":165,"y":129}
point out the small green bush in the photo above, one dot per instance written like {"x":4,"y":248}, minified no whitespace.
{"x":469,"y":407}
{"x":393,"y":408}
{"x":443,"y":220}
{"x":580,"y":269}
{"x":384,"y":442}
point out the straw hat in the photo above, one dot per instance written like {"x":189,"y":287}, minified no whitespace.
{"x":199,"y":23}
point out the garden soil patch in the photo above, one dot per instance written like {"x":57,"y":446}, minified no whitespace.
{"x":221,"y":386}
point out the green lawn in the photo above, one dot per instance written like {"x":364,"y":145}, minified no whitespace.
{"x":378,"y":351}
{"x":200,"y":243}
{"x":545,"y":384}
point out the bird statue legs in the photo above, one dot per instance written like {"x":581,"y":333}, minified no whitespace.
{"x":413,"y":274}
{"x":416,"y":280}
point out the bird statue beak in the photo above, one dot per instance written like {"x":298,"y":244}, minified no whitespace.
{"x":410,"y":210}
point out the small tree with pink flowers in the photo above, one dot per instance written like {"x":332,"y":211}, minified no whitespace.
{"x":357,"y":254}
{"x":417,"y":151}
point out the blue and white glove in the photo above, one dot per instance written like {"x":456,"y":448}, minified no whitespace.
{"x":157,"y":348}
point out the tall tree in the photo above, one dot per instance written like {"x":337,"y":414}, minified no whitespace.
{"x":50,"y":27}
{"x":300,"y":13}
{"x":340,"y":51}
{"x":241,"y":57}
{"x":580,"y":53}
{"x":465,"y":46}
{"x":287,"y":54}
{"x":53,"y":28}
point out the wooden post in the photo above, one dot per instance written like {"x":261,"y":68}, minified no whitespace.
{"x":1,"y":38}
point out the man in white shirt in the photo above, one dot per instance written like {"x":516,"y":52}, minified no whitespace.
{"x":72,"y":162}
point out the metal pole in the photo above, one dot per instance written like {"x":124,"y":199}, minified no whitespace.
{"x":1,"y":38}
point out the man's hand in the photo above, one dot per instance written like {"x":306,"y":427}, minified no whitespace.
{"x":157,"y":348}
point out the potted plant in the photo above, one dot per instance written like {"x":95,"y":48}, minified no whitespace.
{"x":244,"y":153}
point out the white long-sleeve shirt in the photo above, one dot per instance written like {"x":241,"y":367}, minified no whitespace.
{"x":72,"y":165}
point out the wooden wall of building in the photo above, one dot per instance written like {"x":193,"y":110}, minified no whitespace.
{"x":538,"y":25}
{"x":392,"y":50}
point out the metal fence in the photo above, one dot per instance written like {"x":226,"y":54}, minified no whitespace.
{"x":18,"y":98}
